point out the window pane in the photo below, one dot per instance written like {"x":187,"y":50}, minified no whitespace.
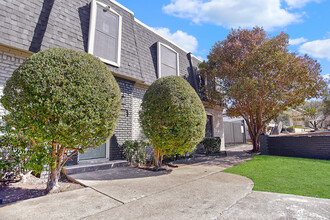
{"x":168,"y":57}
{"x":167,"y":71}
{"x":107,"y":22}
{"x":105,"y":46}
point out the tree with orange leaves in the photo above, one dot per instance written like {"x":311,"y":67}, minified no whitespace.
{"x":259,"y":77}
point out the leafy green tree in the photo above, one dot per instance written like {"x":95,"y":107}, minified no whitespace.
{"x":65,"y":99}
{"x":259,"y":77}
{"x":284,"y":118}
{"x":313,"y":112}
{"x":172,"y":117}
{"x":18,"y":157}
{"x":326,"y":100}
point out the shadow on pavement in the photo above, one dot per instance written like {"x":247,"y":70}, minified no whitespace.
{"x":13,"y":194}
{"x":233,"y":158}
{"x":119,"y":173}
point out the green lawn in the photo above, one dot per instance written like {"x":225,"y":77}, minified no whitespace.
{"x":298,"y":176}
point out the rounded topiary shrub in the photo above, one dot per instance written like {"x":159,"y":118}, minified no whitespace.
{"x":65,"y":98}
{"x":172,"y":117}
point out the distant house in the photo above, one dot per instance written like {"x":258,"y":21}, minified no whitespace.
{"x":134,"y":52}
{"x":295,"y":118}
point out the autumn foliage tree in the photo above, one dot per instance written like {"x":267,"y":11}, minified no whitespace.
{"x":64,"y":99}
{"x":259,"y":77}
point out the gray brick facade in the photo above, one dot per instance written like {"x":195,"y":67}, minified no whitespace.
{"x":123,"y":130}
{"x":8,"y":63}
{"x":138,"y":93}
{"x":39,"y":24}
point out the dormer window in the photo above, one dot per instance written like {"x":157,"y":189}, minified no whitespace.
{"x":105,"y":33}
{"x":168,"y":61}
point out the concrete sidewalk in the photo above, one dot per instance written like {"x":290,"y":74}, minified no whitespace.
{"x":190,"y":191}
{"x":195,"y":190}
{"x":266,"y":205}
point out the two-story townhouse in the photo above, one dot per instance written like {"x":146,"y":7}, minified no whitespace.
{"x":134,"y":52}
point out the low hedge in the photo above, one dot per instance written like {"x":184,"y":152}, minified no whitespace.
{"x":138,"y":152}
{"x":211,"y":144}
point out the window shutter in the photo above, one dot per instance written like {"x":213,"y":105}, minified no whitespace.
{"x":167,"y":61}
{"x":104,"y":39}
{"x":169,"y":65}
{"x":106,"y":34}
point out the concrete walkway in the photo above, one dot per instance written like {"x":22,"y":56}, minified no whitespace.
{"x":265,"y":205}
{"x":195,"y":190}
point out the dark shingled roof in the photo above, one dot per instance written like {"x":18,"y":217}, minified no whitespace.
{"x":38,"y":25}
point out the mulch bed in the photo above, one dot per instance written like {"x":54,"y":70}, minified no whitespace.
{"x":33,"y":187}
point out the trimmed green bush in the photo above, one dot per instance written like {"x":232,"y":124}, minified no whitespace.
{"x":18,"y":157}
{"x":136,"y":152}
{"x":172,"y":117}
{"x":64,"y":98}
{"x":211,"y":145}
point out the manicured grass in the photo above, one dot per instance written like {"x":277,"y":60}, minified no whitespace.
{"x":298,"y":176}
{"x":298,"y":126}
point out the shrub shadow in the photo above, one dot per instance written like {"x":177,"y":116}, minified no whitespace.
{"x":14,"y":194}
{"x":222,"y":160}
{"x":119,"y":173}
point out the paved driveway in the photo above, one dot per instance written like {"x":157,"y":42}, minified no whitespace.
{"x":195,"y":190}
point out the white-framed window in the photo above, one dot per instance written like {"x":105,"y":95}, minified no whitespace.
{"x":104,"y":39}
{"x":167,"y":61}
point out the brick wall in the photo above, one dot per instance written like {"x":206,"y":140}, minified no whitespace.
{"x":137,"y":133}
{"x":8,"y":63}
{"x":73,"y":160}
{"x":317,"y":147}
{"x":123,"y":130}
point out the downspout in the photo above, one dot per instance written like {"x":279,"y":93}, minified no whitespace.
{"x":193,"y":73}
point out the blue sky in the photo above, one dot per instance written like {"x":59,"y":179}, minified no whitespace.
{"x":197,"y":24}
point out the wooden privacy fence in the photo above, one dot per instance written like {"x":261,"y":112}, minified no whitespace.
{"x":235,"y":132}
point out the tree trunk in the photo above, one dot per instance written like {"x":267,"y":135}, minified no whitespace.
{"x":255,"y":142}
{"x":52,"y":184}
{"x":254,"y":135}
{"x":55,"y":167}
{"x":314,"y":125}
{"x":157,"y":161}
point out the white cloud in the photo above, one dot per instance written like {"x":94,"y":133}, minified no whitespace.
{"x":317,"y":48}
{"x":234,"y":13}
{"x":299,"y":3}
{"x":326,"y":77}
{"x":186,"y":41}
{"x":297,"y":41}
